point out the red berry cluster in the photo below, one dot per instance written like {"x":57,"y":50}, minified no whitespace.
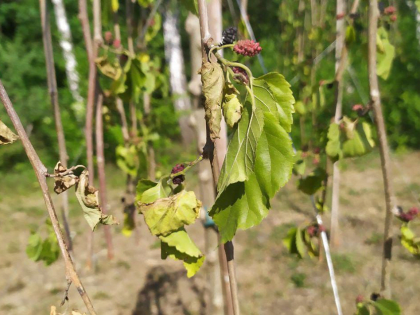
{"x":359,"y":299}
{"x":390,"y":10}
{"x":180,"y":178}
{"x":340,"y":16}
{"x":408,"y":216}
{"x":247,"y":48}
{"x":242,"y":75}
{"x":315,"y":229}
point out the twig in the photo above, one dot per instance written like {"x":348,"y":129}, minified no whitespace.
{"x":101,"y":172}
{"x":383,"y":147}
{"x":40,"y":171}
{"x":210,"y":152}
{"x":52,"y":87}
{"x":329,"y":259}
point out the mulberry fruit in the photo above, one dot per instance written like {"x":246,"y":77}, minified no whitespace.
{"x":390,"y":10}
{"x":108,"y":37}
{"x":242,"y":76}
{"x":116,"y":43}
{"x":180,"y":178}
{"x":229,"y":36}
{"x":247,"y":48}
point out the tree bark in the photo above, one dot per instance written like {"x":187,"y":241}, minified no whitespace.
{"x":339,"y":48}
{"x":177,"y":79}
{"x":53,"y":91}
{"x":383,"y":147}
{"x":100,"y":156}
{"x":67,"y":47}
{"x":41,"y":171}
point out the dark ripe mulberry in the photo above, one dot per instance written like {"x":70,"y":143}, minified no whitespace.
{"x":177,"y":168}
{"x":242,"y":76}
{"x":178,"y":179}
{"x":229,"y":36}
{"x":247,"y":48}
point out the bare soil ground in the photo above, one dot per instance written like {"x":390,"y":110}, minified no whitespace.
{"x":271,"y":281}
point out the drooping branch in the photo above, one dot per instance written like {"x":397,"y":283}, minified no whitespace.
{"x":53,"y":91}
{"x":375,"y":99}
{"x":41,"y":171}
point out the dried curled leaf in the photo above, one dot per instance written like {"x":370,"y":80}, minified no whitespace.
{"x":6,"y":135}
{"x":111,"y":69}
{"x":167,"y":215}
{"x":213,"y":82}
{"x":232,"y":107}
{"x":62,"y":180}
{"x":88,"y":199}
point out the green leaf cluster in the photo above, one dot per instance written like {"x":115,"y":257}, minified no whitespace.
{"x":379,"y":307}
{"x":409,"y":240}
{"x":259,"y":158}
{"x":46,"y":250}
{"x":349,"y":139}
{"x":299,"y":242}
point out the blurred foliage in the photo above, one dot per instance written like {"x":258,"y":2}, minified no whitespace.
{"x":276,"y":26}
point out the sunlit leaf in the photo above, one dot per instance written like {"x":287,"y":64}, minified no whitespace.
{"x":167,"y":215}
{"x":6,"y":135}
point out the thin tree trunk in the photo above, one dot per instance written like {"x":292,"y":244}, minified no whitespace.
{"x":151,"y":164}
{"x":67,"y":47}
{"x":52,"y":87}
{"x":339,"y":47}
{"x":383,"y":147}
{"x":41,"y":171}
{"x":217,"y":296}
{"x":100,"y":156}
{"x":211,"y":152}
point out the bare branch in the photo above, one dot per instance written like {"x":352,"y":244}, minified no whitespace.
{"x":40,"y":172}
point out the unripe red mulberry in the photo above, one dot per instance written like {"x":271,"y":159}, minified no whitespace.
{"x":340,"y":16}
{"x":359,"y":299}
{"x":390,"y":10}
{"x":177,"y":168}
{"x":247,"y":48}
{"x":393,"y":17}
{"x":116,"y":43}
{"x":108,"y":37}
{"x":413,"y":211}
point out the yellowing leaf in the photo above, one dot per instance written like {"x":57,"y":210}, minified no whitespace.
{"x":115,"y":5}
{"x":213,"y":82}
{"x":232,"y":109}
{"x":88,"y":199}
{"x":6,"y":135}
{"x":178,"y":245}
{"x":167,"y":215}
{"x":112,"y":71}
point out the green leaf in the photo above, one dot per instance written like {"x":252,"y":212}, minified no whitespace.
{"x":178,"y":245}
{"x":34,"y":247}
{"x":364,"y":310}
{"x":154,"y":28}
{"x":300,"y":108}
{"x":333,"y":147}
{"x":167,"y":215}
{"x":88,"y":199}
{"x":129,"y":224}
{"x":272,"y":93}
{"x":300,"y":245}
{"x":6,"y":135}
{"x":387,"y":307}
{"x":240,"y":157}
{"x":275,"y":157}
{"x":290,"y":240}
{"x":241,"y":205}
{"x":213,"y":81}
{"x":128,"y":160}
{"x":149,"y":191}
{"x":190,"y":5}
{"x":350,"y":35}
{"x":385,"y":54}
{"x":313,"y":182}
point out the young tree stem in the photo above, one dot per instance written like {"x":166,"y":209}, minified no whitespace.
{"x":41,"y":171}
{"x":383,"y":147}
{"x":211,"y":153}
{"x":53,"y":91}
